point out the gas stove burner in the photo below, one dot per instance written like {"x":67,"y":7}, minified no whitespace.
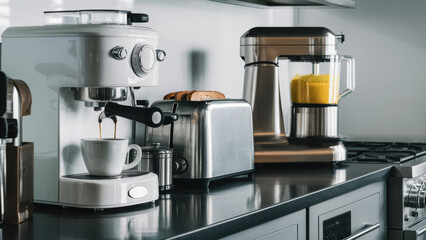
{"x":388,"y":152}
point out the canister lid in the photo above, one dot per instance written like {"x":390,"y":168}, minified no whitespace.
{"x":156,"y":150}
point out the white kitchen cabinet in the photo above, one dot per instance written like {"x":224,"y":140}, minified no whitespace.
{"x":289,"y":227}
{"x":361,"y":211}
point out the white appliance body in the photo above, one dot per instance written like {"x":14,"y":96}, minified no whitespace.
{"x":55,"y":59}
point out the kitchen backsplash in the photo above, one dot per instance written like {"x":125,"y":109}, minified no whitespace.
{"x":387,"y":40}
{"x":201,"y":39}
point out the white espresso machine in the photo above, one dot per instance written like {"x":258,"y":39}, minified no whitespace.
{"x":74,"y":65}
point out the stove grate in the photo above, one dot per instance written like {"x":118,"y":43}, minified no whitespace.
{"x":389,"y":152}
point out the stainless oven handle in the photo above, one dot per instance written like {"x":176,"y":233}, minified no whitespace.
{"x":362,"y":232}
{"x":421,"y":231}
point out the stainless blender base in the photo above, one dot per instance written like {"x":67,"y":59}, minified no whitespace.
{"x":286,"y":152}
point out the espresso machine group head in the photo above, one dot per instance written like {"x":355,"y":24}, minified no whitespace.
{"x":309,"y":57}
{"x":76,"y":64}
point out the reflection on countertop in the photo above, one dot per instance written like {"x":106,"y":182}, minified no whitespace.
{"x":226,"y":207}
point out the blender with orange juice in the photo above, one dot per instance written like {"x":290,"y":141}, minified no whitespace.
{"x":309,"y":57}
{"x":315,"y":94}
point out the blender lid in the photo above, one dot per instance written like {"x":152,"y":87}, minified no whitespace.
{"x":290,"y":36}
{"x":93,"y":16}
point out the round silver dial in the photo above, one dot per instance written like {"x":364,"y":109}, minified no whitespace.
{"x":416,"y":196}
{"x":143,"y":59}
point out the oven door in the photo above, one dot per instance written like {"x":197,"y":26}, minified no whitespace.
{"x":416,"y":232}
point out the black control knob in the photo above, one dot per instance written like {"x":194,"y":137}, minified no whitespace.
{"x":180,"y":165}
{"x":8,"y":128}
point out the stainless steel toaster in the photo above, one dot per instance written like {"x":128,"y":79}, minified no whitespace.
{"x":211,"y":139}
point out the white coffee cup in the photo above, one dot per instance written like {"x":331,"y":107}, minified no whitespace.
{"x":107,"y":157}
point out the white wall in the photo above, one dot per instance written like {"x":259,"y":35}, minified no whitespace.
{"x":387,"y":39}
{"x":210,"y":30}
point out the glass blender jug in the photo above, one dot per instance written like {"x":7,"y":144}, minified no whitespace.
{"x":315,"y":94}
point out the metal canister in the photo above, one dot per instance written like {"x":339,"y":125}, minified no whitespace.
{"x":159,"y":160}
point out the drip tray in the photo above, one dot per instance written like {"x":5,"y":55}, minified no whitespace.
{"x":124,"y":174}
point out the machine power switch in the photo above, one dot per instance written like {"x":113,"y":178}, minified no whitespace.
{"x":138,"y":192}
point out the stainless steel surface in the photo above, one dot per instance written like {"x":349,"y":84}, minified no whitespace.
{"x":13,"y":110}
{"x":270,"y":44}
{"x":261,"y":48}
{"x":366,"y":230}
{"x":294,"y":3}
{"x":349,"y":213}
{"x":416,"y":196}
{"x":261,"y":90}
{"x":321,"y":121}
{"x":411,"y":169}
{"x":405,"y":196}
{"x":87,"y":94}
{"x":159,"y":160}
{"x":415,"y":232}
{"x":119,"y":52}
{"x":215,"y":137}
{"x":234,"y":205}
{"x":406,"y":186}
{"x":286,"y":152}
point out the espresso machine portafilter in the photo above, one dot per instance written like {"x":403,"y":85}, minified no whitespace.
{"x":309,"y":57}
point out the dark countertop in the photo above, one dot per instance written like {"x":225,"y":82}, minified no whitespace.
{"x":226,"y":207}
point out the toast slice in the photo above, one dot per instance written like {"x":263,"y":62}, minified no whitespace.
{"x":170,"y":96}
{"x":182,"y":95}
{"x":204,"y":95}
{"x":194,"y":95}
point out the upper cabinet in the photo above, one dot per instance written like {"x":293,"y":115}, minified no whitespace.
{"x":293,"y":3}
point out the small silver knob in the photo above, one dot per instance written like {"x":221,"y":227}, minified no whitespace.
{"x":161,"y":55}
{"x":119,"y":53}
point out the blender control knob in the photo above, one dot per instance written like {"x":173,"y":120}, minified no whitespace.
{"x":119,"y":53}
{"x":143,"y":59}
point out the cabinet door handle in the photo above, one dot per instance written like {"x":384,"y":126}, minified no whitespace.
{"x":362,"y":232}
